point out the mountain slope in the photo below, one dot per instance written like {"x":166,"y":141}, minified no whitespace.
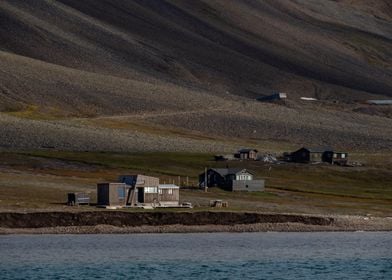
{"x":114,"y":57}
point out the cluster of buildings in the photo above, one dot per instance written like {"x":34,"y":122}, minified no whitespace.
{"x":146,"y":191}
{"x":243,"y":154}
{"x":317,"y":155}
{"x":281,"y":96}
{"x":303,"y":155}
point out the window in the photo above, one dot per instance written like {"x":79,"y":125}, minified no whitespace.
{"x":170,"y":191}
{"x":121,"y":192}
{"x":343,"y":155}
{"x":244,"y":177}
{"x":150,"y":190}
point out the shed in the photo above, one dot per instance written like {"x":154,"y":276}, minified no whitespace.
{"x":168,"y":195}
{"x":112,"y":194}
{"x":273,"y":97}
{"x":379,"y":102}
{"x":312,"y":155}
{"x":340,"y":158}
{"x":250,"y":154}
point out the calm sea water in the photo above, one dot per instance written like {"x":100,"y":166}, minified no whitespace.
{"x":358,"y":255}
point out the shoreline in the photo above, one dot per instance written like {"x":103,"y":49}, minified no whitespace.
{"x":118,"y":222}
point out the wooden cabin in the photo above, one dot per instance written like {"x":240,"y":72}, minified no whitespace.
{"x":168,"y":195}
{"x":145,"y":188}
{"x":136,"y":190}
{"x":340,"y":158}
{"x":247,"y":154}
{"x":112,"y":194}
{"x":232,"y":179}
{"x":273,"y":97}
{"x":318,"y":155}
{"x":312,"y":155}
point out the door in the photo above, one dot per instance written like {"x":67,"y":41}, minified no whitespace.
{"x":140,"y":195}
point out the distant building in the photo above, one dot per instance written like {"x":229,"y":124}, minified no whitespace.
{"x":317,"y":155}
{"x":224,"y":157}
{"x":340,"y":158}
{"x":134,"y":190}
{"x":379,"y":102}
{"x":273,"y":97}
{"x":246,"y":154}
{"x":232,"y":179}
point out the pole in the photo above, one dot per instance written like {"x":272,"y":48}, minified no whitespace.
{"x":205,"y":180}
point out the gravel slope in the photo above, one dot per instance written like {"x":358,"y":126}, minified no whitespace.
{"x":203,"y":62}
{"x":19,"y":133}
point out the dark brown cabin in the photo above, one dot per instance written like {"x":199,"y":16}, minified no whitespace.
{"x":312,"y":155}
{"x":247,"y":154}
{"x":317,"y":155}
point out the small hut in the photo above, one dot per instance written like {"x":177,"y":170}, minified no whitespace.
{"x":247,"y":154}
{"x":112,"y":194}
{"x":169,"y":195}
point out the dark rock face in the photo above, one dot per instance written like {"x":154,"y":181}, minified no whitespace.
{"x":124,"y":219}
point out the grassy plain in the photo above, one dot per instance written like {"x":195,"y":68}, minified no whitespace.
{"x":39,"y":180}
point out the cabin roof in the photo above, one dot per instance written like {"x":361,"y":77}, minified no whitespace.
{"x":317,"y":149}
{"x":226,"y":171}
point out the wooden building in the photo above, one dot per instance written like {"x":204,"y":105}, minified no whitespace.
{"x":379,"y":102}
{"x":317,"y":155}
{"x":247,"y":154}
{"x":232,"y":179}
{"x":168,"y":195}
{"x":340,"y":158}
{"x":273,"y":97}
{"x":144,"y":189}
{"x":112,"y":194}
{"x":311,"y":155}
{"x":137,"y":190}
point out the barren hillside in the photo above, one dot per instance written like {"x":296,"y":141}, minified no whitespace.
{"x":195,"y":67}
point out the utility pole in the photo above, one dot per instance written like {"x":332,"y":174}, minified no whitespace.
{"x":205,"y":180}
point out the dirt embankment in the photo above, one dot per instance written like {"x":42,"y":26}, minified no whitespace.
{"x":126,"y":219}
{"x":183,"y":222}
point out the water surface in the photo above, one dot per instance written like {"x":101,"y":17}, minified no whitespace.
{"x":359,"y":255}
